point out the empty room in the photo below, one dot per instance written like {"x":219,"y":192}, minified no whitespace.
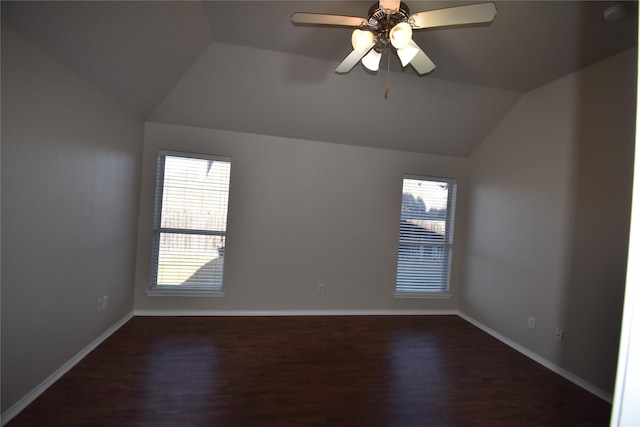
{"x":315,"y":213}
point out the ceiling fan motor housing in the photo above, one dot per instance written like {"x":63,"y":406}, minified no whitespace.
{"x":381,"y":23}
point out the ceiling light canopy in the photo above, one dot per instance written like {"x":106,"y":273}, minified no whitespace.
{"x":390,"y":6}
{"x":615,"y":12}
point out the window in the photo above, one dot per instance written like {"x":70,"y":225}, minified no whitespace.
{"x":190,"y":224}
{"x":426,"y":235}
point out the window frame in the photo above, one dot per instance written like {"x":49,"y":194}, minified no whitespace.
{"x":445,"y":290}
{"x":179,"y":290}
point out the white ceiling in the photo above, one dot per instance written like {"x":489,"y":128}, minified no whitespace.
{"x":192,"y":62}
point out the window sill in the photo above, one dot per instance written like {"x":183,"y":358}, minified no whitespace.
{"x":184,"y":292}
{"x":431,"y":295}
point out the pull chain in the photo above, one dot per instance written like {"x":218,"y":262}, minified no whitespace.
{"x":386,"y":89}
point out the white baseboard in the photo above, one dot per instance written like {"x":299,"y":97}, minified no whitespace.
{"x":10,"y":413}
{"x":169,"y":313}
{"x":541,"y":360}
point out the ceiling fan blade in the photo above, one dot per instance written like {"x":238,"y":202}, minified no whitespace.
{"x":421,"y":61}
{"x":322,"y":19}
{"x":352,"y":59}
{"x":460,"y":15}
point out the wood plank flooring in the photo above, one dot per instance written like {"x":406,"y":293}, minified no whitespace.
{"x":310,"y":371}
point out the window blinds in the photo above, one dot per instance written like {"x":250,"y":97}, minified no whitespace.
{"x":426,"y":235}
{"x":190,"y":222}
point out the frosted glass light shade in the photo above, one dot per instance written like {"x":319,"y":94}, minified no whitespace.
{"x":400,"y":35}
{"x":360,"y":40}
{"x":406,"y":54}
{"x":390,"y":6}
{"x":372,"y":60}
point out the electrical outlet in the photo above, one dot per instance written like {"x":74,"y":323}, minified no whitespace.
{"x":531,"y":323}
{"x":558,"y":335}
{"x":321,"y":288}
{"x":105,"y":301}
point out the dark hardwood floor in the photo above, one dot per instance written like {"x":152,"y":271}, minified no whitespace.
{"x":310,"y":371}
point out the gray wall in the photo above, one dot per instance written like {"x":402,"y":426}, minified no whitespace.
{"x":70,"y":186}
{"x":548,"y":219}
{"x":301,"y":213}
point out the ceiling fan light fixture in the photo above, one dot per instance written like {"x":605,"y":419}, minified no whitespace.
{"x":361,"y":40}
{"x":372,"y":60}
{"x":400,"y":35}
{"x":390,"y":6}
{"x":389,"y":22}
{"x":407,"y":53}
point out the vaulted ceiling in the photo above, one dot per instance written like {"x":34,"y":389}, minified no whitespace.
{"x":243,"y":66}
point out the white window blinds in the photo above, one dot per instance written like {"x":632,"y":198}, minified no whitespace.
{"x":426,"y":236}
{"x":190,"y":221}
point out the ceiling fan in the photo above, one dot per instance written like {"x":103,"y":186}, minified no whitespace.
{"x":389,"y":22}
